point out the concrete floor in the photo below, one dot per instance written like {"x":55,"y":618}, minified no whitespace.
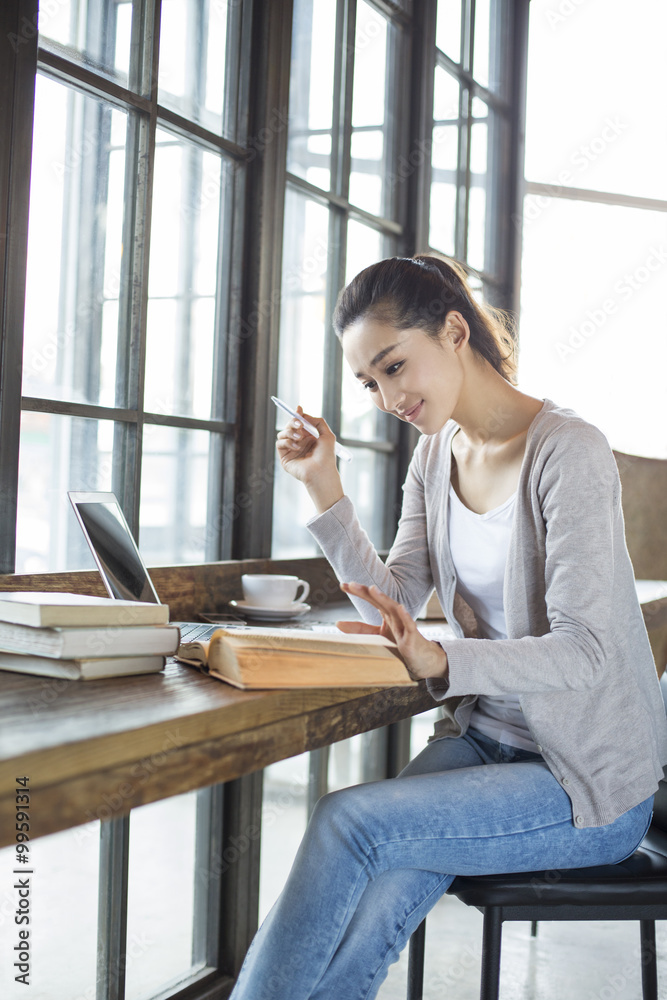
{"x":566,"y":961}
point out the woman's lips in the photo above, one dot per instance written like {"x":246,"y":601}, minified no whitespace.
{"x":412,"y":414}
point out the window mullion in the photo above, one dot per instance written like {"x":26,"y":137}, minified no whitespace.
{"x":509,"y":235}
{"x":17,"y":78}
{"x":332,"y":387}
{"x":463,"y":175}
{"x":262,"y":258}
{"x":341,"y":133}
{"x":126,"y":471}
{"x":112,"y":908}
{"x":133,"y":301}
{"x":420,"y":80}
{"x":209,"y":845}
{"x":236,"y":856}
{"x":468,"y":36}
{"x":340,"y":184}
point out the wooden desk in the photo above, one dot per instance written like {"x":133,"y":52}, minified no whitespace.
{"x":96,"y":749}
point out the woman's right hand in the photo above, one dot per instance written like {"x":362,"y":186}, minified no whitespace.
{"x":311,"y":460}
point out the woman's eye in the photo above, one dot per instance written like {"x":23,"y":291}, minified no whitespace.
{"x":392,"y":369}
{"x":371,"y":386}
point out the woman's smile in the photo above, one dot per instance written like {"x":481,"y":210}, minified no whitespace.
{"x":411,"y":414}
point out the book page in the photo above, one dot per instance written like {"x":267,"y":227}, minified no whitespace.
{"x":316,"y":633}
{"x":297,"y":641}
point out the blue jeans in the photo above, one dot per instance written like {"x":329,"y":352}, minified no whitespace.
{"x":376,"y":857}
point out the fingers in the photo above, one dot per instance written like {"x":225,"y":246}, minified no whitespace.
{"x":294,"y":439}
{"x":360,"y":628}
{"x":421,"y":657}
{"x":319,"y":422}
{"x":392,"y":612}
{"x":293,"y":436}
{"x":374,"y":596}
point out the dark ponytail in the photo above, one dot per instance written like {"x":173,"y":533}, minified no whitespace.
{"x":408,"y":292}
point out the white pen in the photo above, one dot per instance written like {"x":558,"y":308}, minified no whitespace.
{"x":307,"y":426}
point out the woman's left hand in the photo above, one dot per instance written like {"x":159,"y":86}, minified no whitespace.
{"x":422,"y":657}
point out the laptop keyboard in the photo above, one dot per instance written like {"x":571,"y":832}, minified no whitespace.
{"x":191,"y":631}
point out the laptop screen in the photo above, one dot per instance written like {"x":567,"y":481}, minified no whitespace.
{"x":113,"y":547}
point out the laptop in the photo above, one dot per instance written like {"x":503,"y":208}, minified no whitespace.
{"x":118,"y":559}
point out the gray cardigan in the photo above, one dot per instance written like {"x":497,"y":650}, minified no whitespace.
{"x":577,"y":651}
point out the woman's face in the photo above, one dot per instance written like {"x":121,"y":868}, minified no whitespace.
{"x":407,"y":372}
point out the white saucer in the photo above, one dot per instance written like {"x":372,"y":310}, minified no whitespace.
{"x":270,"y":614}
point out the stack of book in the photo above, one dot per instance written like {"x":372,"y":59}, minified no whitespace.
{"x":82,"y":638}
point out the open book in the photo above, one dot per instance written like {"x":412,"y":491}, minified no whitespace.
{"x":291,"y":658}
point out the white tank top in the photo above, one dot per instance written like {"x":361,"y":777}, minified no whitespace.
{"x":479,"y":545}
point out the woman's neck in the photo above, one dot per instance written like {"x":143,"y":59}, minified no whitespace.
{"x":491,"y":411}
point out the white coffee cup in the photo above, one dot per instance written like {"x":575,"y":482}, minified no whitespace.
{"x":270,"y":590}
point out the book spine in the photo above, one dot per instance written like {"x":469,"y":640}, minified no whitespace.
{"x":113,"y":640}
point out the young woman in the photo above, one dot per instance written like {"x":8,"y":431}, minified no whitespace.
{"x":553,"y":733}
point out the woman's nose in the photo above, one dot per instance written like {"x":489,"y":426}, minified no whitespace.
{"x":392,"y":400}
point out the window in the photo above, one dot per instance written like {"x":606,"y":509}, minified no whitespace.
{"x":593,"y":333}
{"x":353,"y":197}
{"x":159,"y":293}
{"x":475,"y":108}
{"x":341,"y":214}
{"x":137,"y":173}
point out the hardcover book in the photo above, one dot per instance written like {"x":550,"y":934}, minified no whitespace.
{"x":293,"y":658}
{"x":56,"y":609}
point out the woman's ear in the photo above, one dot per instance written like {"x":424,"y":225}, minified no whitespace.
{"x":456,"y":330}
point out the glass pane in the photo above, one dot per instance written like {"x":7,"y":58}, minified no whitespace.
{"x":183,"y":280}
{"x":481,"y":50}
{"x":160,"y":905}
{"x":491,"y":17}
{"x":311,"y":91}
{"x":302,"y":319}
{"x":303,"y":324}
{"x":448,"y":28}
{"x":365,"y":481}
{"x":367,"y":174}
{"x":284,"y":806}
{"x":358,"y":759}
{"x":177,"y":467}
{"x":96,"y":33}
{"x":360,"y":417}
{"x":444,"y":162}
{"x":614,"y":140}
{"x":480,"y":177}
{"x":597,"y":343}
{"x":57,"y":454}
{"x":63,"y":919}
{"x":74,"y":247}
{"x":370,"y":116}
{"x":193,"y":49}
{"x":446,"y":96}
{"x":421,"y":727}
{"x":364,"y":246}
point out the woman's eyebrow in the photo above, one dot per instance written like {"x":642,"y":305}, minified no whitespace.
{"x":378,"y":358}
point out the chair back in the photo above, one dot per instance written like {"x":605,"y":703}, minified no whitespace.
{"x":643,"y":497}
{"x":660,"y":802}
